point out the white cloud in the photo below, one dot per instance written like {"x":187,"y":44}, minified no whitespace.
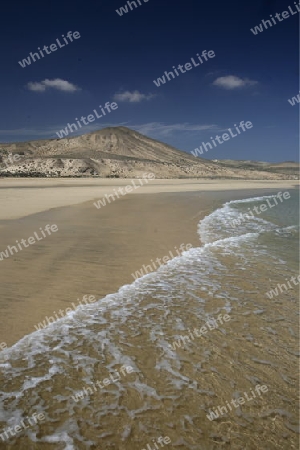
{"x":233,"y":82}
{"x":38,"y":87}
{"x":57,"y":83}
{"x":153,"y":129}
{"x":165,"y":130}
{"x":29,"y":132}
{"x":132,"y":97}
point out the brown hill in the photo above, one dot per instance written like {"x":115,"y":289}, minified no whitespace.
{"x":118,"y":152}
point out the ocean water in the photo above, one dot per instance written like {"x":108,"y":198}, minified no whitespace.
{"x":172,"y":388}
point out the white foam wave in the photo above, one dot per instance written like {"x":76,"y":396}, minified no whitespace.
{"x":96,"y":334}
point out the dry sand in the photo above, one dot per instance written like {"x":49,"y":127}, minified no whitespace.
{"x":22,"y":197}
{"x":95,"y":251}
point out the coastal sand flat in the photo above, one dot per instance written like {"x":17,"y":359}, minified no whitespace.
{"x":94,"y":251}
{"x":22,"y":197}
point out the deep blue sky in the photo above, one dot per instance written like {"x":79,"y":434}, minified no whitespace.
{"x":117,"y":54}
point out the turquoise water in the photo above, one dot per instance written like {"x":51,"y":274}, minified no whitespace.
{"x":281,"y":225}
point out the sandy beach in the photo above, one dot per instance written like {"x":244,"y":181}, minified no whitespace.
{"x":95,"y":251}
{"x":173,"y":387}
{"x":149,"y":226}
{"x":22,"y":197}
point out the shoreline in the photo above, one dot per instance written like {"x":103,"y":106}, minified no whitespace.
{"x":95,"y":251}
{"x":44,"y":194}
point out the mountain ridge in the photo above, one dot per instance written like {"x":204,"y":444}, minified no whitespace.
{"x":121,"y":152}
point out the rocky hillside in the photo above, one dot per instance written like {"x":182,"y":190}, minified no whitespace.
{"x":118,"y":152}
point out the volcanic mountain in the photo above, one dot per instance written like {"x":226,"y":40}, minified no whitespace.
{"x":119,"y":152}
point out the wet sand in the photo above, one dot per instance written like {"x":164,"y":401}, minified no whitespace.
{"x":22,"y":197}
{"x":94,"y":251}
